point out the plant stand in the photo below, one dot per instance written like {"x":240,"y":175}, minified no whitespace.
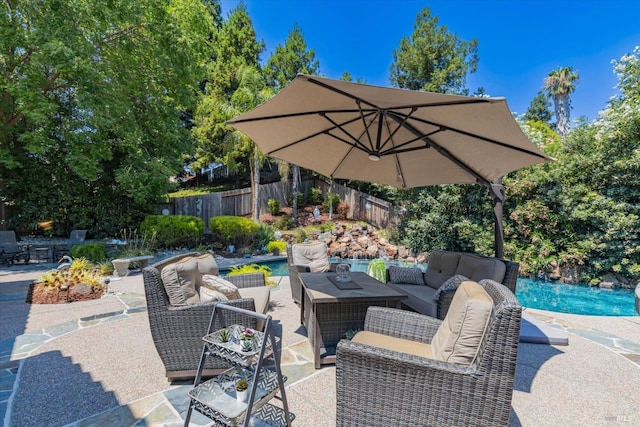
{"x":257,"y":360}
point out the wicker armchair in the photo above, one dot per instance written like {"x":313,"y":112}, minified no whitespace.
{"x":177,"y":331}
{"x":380,"y":387}
{"x":295,"y":270}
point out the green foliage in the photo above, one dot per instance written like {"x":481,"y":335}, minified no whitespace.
{"x":173,"y":231}
{"x":433,"y":59}
{"x":284,"y":222}
{"x":378,"y":270}
{"x":264,"y":235}
{"x":95,"y":252}
{"x":290,"y":60}
{"x":300,"y":235}
{"x":277,"y":245}
{"x":333,"y":199}
{"x":274,"y":206}
{"x":315,"y":196}
{"x":300,"y":198}
{"x":539,"y":109}
{"x":103,"y":152}
{"x":199,"y":191}
{"x":253,"y":268}
{"x":233,"y":230}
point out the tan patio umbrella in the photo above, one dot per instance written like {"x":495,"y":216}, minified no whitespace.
{"x":391,"y":136}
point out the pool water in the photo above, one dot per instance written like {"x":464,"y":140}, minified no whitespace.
{"x":551,"y":296}
{"x":575,"y":299}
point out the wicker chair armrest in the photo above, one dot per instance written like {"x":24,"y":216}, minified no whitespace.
{"x":401,"y":324}
{"x":200,"y":314}
{"x":249,"y":280}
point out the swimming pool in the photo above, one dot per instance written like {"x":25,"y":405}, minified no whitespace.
{"x":551,"y":296}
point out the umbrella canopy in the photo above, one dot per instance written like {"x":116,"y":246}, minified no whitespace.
{"x":389,"y":136}
{"x":392,"y":136}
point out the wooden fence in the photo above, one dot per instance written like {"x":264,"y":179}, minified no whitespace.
{"x":362,"y":207}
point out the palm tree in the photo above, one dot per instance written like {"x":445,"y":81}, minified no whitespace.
{"x":559,"y":84}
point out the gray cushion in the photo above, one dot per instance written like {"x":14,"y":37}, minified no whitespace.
{"x":477,"y":267}
{"x":406,"y":275}
{"x":419,"y":298}
{"x":450,"y":284}
{"x":442,"y":265}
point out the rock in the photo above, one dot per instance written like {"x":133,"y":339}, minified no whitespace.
{"x":403,"y":252}
{"x":372,"y":251}
{"x":81,"y":289}
{"x":363,"y":241}
{"x":382,"y":241}
{"x":609,"y":282}
{"x":392,"y":251}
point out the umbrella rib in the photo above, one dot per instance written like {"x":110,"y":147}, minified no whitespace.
{"x":340,"y":92}
{"x":324,"y":131}
{"x":485,"y":139}
{"x":356,"y":143}
{"x":445,"y":153}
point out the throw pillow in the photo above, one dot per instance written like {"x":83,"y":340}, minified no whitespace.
{"x":208,"y":295}
{"x":406,"y":275}
{"x":180,"y":280}
{"x":451,"y":284}
{"x":221,"y":285}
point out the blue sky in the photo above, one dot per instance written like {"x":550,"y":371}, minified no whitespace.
{"x":520,"y":42}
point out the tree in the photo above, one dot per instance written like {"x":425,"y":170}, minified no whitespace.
{"x":234,"y":46}
{"x":559,"y":84}
{"x":282,"y":67}
{"x":433,"y":59}
{"x":234,"y":86}
{"x":89,"y":104}
{"x":539,"y":109}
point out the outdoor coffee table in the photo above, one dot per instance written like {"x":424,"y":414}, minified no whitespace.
{"x":329,"y":308}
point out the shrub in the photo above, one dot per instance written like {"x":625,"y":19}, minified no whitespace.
{"x":300,"y":198}
{"x":274,"y":206}
{"x":264,"y":235}
{"x":277,"y":244}
{"x":335,"y":198}
{"x":285,"y":222}
{"x":173,"y":231}
{"x":253,"y":268}
{"x":94,"y":252}
{"x":233,"y":230}
{"x":315,"y":195}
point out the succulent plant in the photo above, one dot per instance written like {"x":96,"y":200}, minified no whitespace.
{"x":242,"y":385}
{"x":247,"y":346}
{"x":225,"y":335}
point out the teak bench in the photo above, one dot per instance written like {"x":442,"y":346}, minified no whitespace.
{"x":121,"y":265}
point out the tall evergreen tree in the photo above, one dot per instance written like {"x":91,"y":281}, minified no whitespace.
{"x":232,"y":88}
{"x":539,"y":109}
{"x":559,"y":85}
{"x":433,"y":59}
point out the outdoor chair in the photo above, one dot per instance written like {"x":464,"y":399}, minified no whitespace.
{"x":409,"y":369}
{"x":76,"y":237}
{"x":10,"y":251}
{"x":305,"y":258}
{"x":177,"y":331}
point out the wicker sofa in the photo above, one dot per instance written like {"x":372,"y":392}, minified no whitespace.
{"x":381,"y":386}
{"x":177,"y":331}
{"x":442,"y":266}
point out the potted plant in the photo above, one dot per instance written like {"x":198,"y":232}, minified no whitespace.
{"x":242,"y":390}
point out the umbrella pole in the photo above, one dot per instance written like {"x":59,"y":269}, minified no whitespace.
{"x":496,"y":190}
{"x":330,"y":199}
